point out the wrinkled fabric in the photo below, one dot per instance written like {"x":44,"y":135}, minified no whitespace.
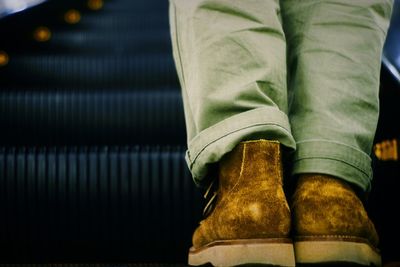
{"x":305,"y":73}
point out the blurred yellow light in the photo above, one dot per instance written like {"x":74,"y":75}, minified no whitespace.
{"x":42,"y":34}
{"x":72,"y":16}
{"x":387,"y":150}
{"x":4,"y":59}
{"x":95,"y":4}
{"x":378,"y":150}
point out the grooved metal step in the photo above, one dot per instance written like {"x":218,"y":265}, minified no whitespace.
{"x":111,"y":42}
{"x":140,"y":198}
{"x":92,"y":139}
{"x":128,"y":19}
{"x":107,"y":116}
{"x":90,"y":70}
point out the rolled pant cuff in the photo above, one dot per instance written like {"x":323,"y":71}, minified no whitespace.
{"x":212,"y":143}
{"x":336,"y":159}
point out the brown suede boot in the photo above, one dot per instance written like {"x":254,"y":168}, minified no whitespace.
{"x":331,"y":224}
{"x":250,"y":219}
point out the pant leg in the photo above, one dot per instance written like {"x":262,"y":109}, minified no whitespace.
{"x":231,"y":61}
{"x":334,"y":66}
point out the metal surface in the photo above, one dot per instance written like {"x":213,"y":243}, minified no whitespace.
{"x":8,"y":7}
{"x":391,"y":51}
{"x":96,"y":204}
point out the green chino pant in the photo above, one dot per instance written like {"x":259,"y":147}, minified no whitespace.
{"x":303,"y":72}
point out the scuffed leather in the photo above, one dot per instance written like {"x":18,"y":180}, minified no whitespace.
{"x":251,"y":202}
{"x":326,"y":206}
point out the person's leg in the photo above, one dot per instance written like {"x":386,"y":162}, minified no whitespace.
{"x":231,"y":61}
{"x":334,"y":65}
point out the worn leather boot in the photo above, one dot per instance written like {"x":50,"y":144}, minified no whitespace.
{"x":331,"y":225}
{"x":248,"y":218}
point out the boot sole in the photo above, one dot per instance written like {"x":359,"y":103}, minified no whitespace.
{"x":266,"y":252}
{"x":337,"y":250}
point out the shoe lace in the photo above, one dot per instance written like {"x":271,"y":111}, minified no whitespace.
{"x":211,"y":196}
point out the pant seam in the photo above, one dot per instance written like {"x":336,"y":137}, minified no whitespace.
{"x":332,"y":142}
{"x":354,"y":160}
{"x":334,"y":159}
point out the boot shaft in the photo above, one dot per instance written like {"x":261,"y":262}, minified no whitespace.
{"x":249,"y":163}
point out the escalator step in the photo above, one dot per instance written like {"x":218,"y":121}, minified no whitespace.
{"x":95,"y":33}
{"x":114,"y":42}
{"x":109,"y":197}
{"x":151,"y":7}
{"x":112,"y":117}
{"x":90,"y":70}
{"x":127,"y":19}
